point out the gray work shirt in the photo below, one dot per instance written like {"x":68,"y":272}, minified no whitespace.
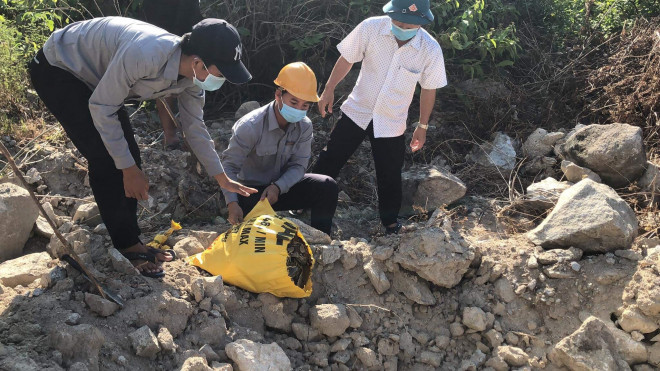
{"x":260,"y":152}
{"x":122,"y":59}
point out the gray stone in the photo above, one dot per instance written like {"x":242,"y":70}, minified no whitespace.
{"x":304,"y":332}
{"x":275,"y":313}
{"x":88,"y":214}
{"x":18,"y":213}
{"x":329,"y":319}
{"x":355,"y":321}
{"x":195,"y":363}
{"x":633,"y":320}
{"x":251,"y":356}
{"x":312,"y":235}
{"x":512,"y":355}
{"x":120,"y":263}
{"x":330,"y":254}
{"x":100,"y":306}
{"x":575,"y":173}
{"x":606,"y":222}
{"x":388,"y":347}
{"x":42,"y":228}
{"x":632,"y":351}
{"x":166,"y":341}
{"x":428,"y":188}
{"x":368,"y":357}
{"x":376,"y":274}
{"x":590,"y":347}
{"x":246,"y":108}
{"x":144,"y":342}
{"x":650,"y":181}
{"x":474,"y":318}
{"x":431,"y":358}
{"x":494,"y":338}
{"x":504,"y":290}
{"x":32,"y":176}
{"x":413,"y":288}
{"x":540,"y":143}
{"x":615,"y":152}
{"x":498,"y":153}
{"x":188,"y":246}
{"x":629,"y":254}
{"x":28,"y":269}
{"x":209,"y":353}
{"x":437,"y":255}
{"x":80,"y":343}
{"x":545,"y":194}
{"x":559,"y":255}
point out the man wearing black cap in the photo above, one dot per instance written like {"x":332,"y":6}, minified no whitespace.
{"x":86,"y":71}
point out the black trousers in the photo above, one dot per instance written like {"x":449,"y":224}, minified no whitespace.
{"x":316,"y":192}
{"x":67,"y":98}
{"x":387,"y":153}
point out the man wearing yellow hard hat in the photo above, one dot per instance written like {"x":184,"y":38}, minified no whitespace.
{"x":270,"y":149}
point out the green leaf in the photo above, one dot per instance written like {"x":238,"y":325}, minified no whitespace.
{"x":505,"y":63}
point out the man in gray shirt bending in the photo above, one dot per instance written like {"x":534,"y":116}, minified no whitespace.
{"x":86,"y":71}
{"x":270,"y":150}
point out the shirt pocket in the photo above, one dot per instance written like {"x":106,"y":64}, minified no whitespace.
{"x":405,"y":81}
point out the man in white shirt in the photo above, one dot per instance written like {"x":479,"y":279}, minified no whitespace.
{"x":396,"y":54}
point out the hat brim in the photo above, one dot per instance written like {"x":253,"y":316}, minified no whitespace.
{"x":411,"y":18}
{"x":236,"y":73}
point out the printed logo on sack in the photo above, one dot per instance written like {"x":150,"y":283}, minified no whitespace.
{"x":413,"y":8}
{"x":239,"y":52}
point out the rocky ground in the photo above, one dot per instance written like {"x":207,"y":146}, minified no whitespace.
{"x":459,"y":290}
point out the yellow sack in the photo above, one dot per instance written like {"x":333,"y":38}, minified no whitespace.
{"x":258,"y":255}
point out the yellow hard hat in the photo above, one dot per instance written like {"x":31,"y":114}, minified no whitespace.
{"x":299,"y":80}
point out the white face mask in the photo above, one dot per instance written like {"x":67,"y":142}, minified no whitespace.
{"x":211,"y":82}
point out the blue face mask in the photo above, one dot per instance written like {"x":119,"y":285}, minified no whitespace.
{"x":403,"y":34}
{"x":211,"y":82}
{"x":291,"y":114}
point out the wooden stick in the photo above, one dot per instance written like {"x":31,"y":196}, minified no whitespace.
{"x":66,"y":244}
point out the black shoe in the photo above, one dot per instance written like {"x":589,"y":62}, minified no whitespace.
{"x":394,"y":229}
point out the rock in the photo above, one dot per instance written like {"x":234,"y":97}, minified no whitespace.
{"x":431,"y":358}
{"x":18,"y":213}
{"x":545,"y":194}
{"x":559,"y":255}
{"x":368,"y":357}
{"x":474,"y":318}
{"x":217,"y":366}
{"x":214,"y":288}
{"x":476,"y":360}
{"x":340,"y":345}
{"x":42,"y":228}
{"x":209,"y":353}
{"x":251,"y":356}
{"x":312,"y":235}
{"x":88,"y":214}
{"x":20,"y":362}
{"x":156,"y":310}
{"x":120,"y":263}
{"x":342,"y":356}
{"x":329,"y":319}
{"x":654,"y":355}
{"x":195,"y":364}
{"x":330,"y":254}
{"x":632,"y":351}
{"x":382,"y":253}
{"x":377,"y":276}
{"x":559,"y":271}
{"x":189,"y":246}
{"x":633,"y":320}
{"x":615,"y":152}
{"x":413,"y":288}
{"x":436,"y":255}
{"x":590,"y":347}
{"x":28,"y":269}
{"x":494,"y":338}
{"x":388,"y":347}
{"x":540,"y":143}
{"x":166,"y":341}
{"x":100,"y":306}
{"x":197,"y":289}
{"x":650,"y":181}
{"x":504,"y":290}
{"x":32,"y":176}
{"x":576,"y":173}
{"x":497,"y":364}
{"x":498,"y":153}
{"x":576,"y":266}
{"x":275,"y":314}
{"x":246,"y":108}
{"x":607,"y":222}
{"x":629,"y":254}
{"x":207,"y":329}
{"x":72,"y":319}
{"x":144,"y":342}
{"x":80,"y":343}
{"x":304,"y":332}
{"x":355,"y":321}
{"x":429,"y":188}
{"x":513,"y":356}
{"x":456,"y":329}
{"x":79,"y":239}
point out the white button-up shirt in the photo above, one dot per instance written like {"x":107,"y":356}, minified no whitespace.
{"x":389,"y":74}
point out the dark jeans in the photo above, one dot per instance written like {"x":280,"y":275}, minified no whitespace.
{"x":316,"y":192}
{"x":67,"y":98}
{"x":388,"y":159}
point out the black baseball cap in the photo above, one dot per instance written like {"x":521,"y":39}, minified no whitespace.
{"x":218,"y":43}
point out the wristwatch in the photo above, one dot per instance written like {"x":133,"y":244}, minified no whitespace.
{"x":423,"y":126}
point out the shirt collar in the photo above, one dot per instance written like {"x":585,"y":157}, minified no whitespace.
{"x":272,"y":119}
{"x":415,"y":42}
{"x":173,"y":63}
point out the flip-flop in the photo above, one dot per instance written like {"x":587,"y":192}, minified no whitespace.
{"x":162,"y":251}
{"x":148,"y":257}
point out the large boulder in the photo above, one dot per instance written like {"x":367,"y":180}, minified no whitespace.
{"x":251,"y":356}
{"x":438,"y":255}
{"x":615,"y":152}
{"x":499,"y":153}
{"x":590,"y":216}
{"x":428,"y":188}
{"x":590,"y":347}
{"x":18,"y":213}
